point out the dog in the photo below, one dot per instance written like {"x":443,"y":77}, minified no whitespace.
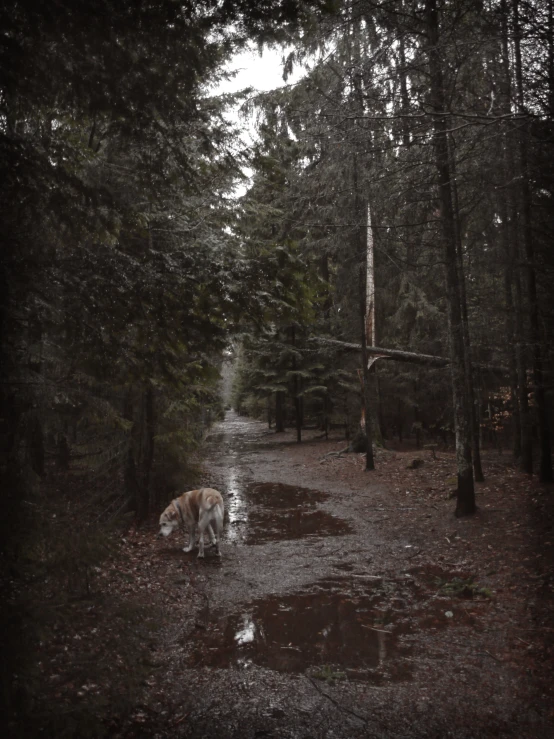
{"x":203,"y":508}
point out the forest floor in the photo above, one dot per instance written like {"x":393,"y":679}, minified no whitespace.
{"x":346,"y":604}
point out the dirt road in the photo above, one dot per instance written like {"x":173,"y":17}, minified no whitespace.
{"x":351,"y":604}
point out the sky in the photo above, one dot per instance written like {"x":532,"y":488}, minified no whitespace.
{"x":260,"y":72}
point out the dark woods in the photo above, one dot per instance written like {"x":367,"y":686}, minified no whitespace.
{"x":119,"y":279}
{"x":429,"y":126}
{"x":404,"y":183}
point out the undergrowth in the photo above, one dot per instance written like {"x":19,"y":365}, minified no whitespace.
{"x":79,"y":651}
{"x":463,"y":588}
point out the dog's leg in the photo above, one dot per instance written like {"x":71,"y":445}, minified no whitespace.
{"x":203,"y":524}
{"x":218,"y":522}
{"x":191,"y":539}
{"x":201,"y":544}
{"x":213,"y":538}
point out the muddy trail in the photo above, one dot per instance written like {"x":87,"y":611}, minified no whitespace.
{"x":349,"y":604}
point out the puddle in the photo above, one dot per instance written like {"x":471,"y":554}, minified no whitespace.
{"x":266,"y":512}
{"x":265,"y":526}
{"x":326,"y":631}
{"x":360,"y":628}
{"x":277,"y":495}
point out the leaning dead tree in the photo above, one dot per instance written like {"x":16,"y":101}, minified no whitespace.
{"x":367,"y":294}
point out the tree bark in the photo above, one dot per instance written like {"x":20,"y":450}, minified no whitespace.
{"x":279,"y":412}
{"x":402,"y":356}
{"x":140,"y":409}
{"x":470,"y":377}
{"x":296,"y":391}
{"x":545,"y":464}
{"x":523,"y":446}
{"x":366,"y":402}
{"x":465,"y":504}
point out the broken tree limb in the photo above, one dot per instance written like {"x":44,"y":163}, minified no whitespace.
{"x":400,"y":355}
{"x":334,"y":454}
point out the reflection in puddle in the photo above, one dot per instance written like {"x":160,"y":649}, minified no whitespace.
{"x":237,"y":508}
{"x":266,"y":525}
{"x":278,"y":495}
{"x":247,"y":632}
{"x":266,"y":512}
{"x":364,"y":629}
{"x":306,"y":631}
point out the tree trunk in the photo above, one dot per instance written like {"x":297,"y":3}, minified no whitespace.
{"x":366,"y":402}
{"x":472,"y":401}
{"x":466,"y":492}
{"x":35,"y":444}
{"x":296,"y":391}
{"x":404,"y":96}
{"x":523,"y":446}
{"x":401,"y":356}
{"x":140,"y":409}
{"x":545,"y":465}
{"x":148,"y":399}
{"x":550,"y":58}
{"x":279,"y":412}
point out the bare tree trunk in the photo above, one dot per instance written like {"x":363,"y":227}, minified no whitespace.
{"x":279,"y":412}
{"x":401,"y":356}
{"x":405,"y":105}
{"x":296,"y":391}
{"x":470,"y":376}
{"x":140,"y":409}
{"x":523,"y":448}
{"x":148,"y":396}
{"x":551,"y":58}
{"x":545,"y":465}
{"x":466,"y":491}
{"x":366,"y":402}
{"x":511,"y":331}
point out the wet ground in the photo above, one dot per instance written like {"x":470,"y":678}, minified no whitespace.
{"x":334,"y":611}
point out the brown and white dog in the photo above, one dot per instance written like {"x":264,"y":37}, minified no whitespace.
{"x":203,"y":508}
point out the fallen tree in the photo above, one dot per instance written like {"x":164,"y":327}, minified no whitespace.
{"x":399,"y":355}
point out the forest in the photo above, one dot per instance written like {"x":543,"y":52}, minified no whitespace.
{"x":374,"y":265}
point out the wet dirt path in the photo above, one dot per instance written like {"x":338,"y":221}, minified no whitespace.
{"x":321,"y":621}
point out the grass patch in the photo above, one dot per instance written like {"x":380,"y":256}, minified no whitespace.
{"x":328,"y":674}
{"x":462,"y":588}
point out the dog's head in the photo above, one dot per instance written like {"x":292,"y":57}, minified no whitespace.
{"x":169,"y":521}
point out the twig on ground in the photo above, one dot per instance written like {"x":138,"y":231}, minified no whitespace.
{"x":336,"y":703}
{"x":485,"y":651}
{"x":180,"y":720}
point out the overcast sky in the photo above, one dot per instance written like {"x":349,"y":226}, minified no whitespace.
{"x":260,"y":72}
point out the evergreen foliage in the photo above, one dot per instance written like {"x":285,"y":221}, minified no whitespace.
{"x":361,"y":126}
{"x":120,"y":281}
